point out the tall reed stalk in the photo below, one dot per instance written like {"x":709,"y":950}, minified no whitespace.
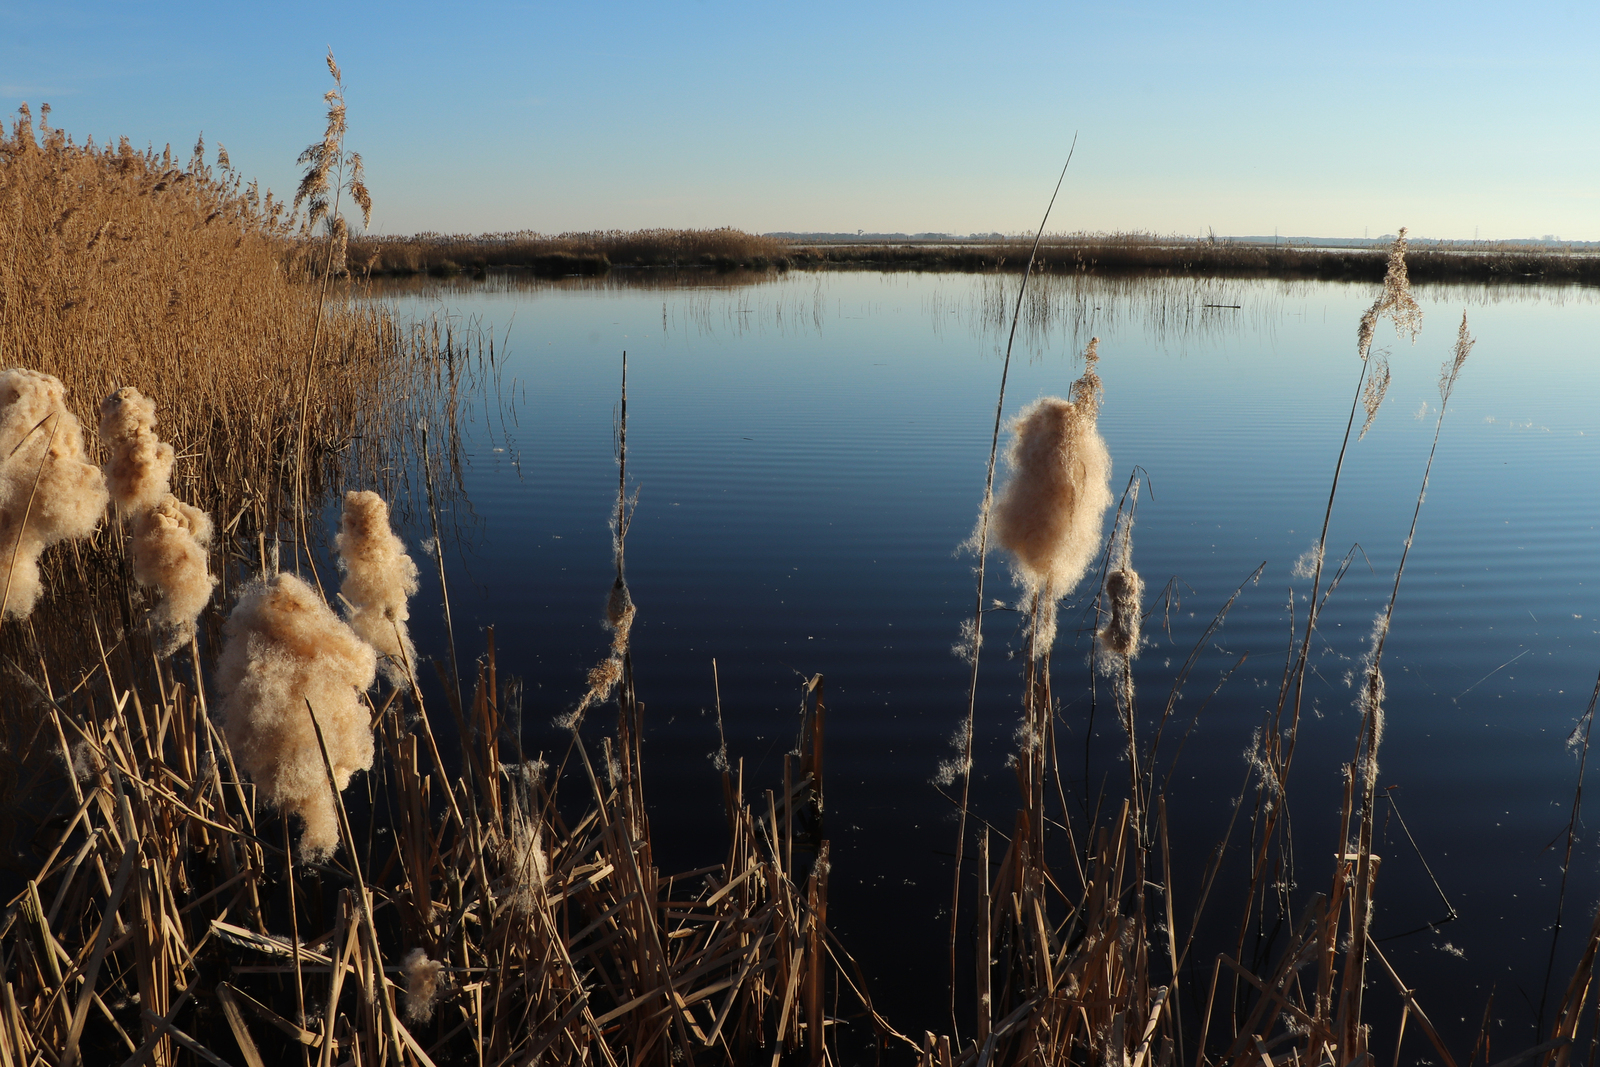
{"x":981,"y":546}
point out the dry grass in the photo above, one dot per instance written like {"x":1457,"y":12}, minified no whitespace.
{"x":130,"y":268}
{"x":125,"y":267}
{"x":594,"y":252}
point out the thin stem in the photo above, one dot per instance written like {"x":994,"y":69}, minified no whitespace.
{"x":977,"y":611}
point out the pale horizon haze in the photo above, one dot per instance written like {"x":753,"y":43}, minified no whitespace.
{"x":1337,"y":120}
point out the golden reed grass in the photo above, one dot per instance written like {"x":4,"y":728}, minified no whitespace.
{"x":129,"y":267}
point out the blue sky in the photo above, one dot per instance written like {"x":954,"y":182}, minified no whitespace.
{"x":1330,"y":119}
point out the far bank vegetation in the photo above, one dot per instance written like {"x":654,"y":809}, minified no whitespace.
{"x":727,"y":249}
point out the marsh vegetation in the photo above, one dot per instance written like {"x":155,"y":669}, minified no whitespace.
{"x":265,"y":808}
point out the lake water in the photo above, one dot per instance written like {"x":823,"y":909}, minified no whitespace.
{"x":809,"y":450}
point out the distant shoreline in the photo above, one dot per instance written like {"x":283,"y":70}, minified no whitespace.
{"x":1329,"y":259}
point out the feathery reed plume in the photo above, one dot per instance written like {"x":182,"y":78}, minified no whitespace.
{"x":1451,"y":369}
{"x":379,"y":578}
{"x":1049,"y":514}
{"x":1394,"y":302}
{"x":422,"y":985}
{"x":283,"y":648}
{"x":1374,"y":391}
{"x":169,"y":536}
{"x":140,"y":470}
{"x":49,"y":492}
{"x":169,"y":554}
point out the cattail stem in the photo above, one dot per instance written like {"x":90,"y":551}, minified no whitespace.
{"x":977,"y":611}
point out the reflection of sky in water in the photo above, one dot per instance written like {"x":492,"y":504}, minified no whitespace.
{"x":809,"y":451}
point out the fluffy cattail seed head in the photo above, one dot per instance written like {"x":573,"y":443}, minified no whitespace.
{"x":379,"y":580}
{"x":422,"y":985}
{"x":169,"y":554}
{"x":48,"y":490}
{"x":1125,"y":592}
{"x":140,"y":470}
{"x":1050,"y":512}
{"x":283,"y":648}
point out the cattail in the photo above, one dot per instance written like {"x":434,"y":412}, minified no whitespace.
{"x":523,"y":858}
{"x":169,"y":536}
{"x":283,"y":648}
{"x":48,"y":490}
{"x":379,"y":579}
{"x":422,"y":985}
{"x":140,"y":470}
{"x":1125,"y":592}
{"x":169,"y":554}
{"x":1050,"y":513}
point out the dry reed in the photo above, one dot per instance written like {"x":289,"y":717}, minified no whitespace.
{"x":133,"y":266}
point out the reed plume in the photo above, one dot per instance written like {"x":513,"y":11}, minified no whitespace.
{"x":285,"y":649}
{"x":1050,"y":512}
{"x":1396,"y":304}
{"x":379,"y":579}
{"x":170,"y":537}
{"x":49,"y":492}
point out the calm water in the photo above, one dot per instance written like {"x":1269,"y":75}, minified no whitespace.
{"x":809,"y":450}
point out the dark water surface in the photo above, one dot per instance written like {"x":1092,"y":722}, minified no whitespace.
{"x":809,"y":450}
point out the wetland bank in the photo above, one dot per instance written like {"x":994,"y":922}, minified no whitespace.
{"x":805,"y":451}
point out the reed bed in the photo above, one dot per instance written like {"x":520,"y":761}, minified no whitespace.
{"x":128,"y":267}
{"x":133,"y":268}
{"x":1144,"y":254}
{"x":593,"y":252}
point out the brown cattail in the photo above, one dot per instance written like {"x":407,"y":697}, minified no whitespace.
{"x":48,"y":490}
{"x":1051,"y":510}
{"x":422,"y":985}
{"x":169,"y":536}
{"x":283,"y":648}
{"x":379,"y":578}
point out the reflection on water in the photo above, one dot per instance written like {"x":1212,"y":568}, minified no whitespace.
{"x":810,"y":448}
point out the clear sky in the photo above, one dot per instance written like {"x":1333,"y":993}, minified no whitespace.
{"x":1326,"y":119}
